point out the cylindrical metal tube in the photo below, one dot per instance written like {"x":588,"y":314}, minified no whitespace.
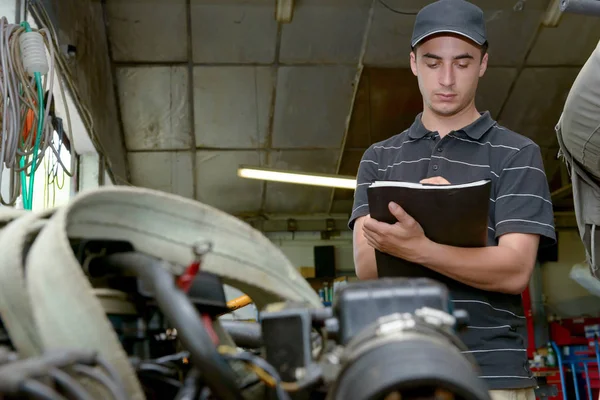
{"x":239,"y":302}
{"x":244,"y":334}
{"x":585,"y":7}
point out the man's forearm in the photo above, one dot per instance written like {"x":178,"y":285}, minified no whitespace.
{"x":493,"y":268}
{"x":364,"y":261}
{"x":364,"y":255}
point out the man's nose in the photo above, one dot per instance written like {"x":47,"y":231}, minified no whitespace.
{"x":447,"y":77}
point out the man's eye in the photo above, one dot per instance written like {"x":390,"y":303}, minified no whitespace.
{"x":432,"y":65}
{"x":463,"y":65}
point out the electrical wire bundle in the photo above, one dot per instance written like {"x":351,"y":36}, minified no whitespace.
{"x":26,"y":106}
{"x":58,"y":375}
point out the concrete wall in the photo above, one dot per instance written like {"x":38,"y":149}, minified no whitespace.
{"x":80,"y":23}
{"x":8,"y":9}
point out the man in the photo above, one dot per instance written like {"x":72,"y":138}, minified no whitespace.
{"x":451,"y":141}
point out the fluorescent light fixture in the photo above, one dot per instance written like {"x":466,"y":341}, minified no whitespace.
{"x":267,"y":174}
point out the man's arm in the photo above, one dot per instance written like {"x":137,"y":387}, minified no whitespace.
{"x":504,"y":268}
{"x":523,"y":214}
{"x":364,"y":254}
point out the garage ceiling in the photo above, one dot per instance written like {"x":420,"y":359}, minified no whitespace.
{"x":207,"y":85}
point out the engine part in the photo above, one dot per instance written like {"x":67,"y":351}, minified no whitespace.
{"x":154,"y":223}
{"x":585,"y":7}
{"x":246,"y":334}
{"x":26,"y":376}
{"x":363,"y":303}
{"x":410,"y":354}
{"x":184,"y":317}
{"x":288,"y":346}
{"x":578,"y":132}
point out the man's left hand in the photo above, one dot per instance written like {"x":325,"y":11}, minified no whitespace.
{"x":403,"y":239}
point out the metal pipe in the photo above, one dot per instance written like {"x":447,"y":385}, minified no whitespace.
{"x":584,"y":7}
{"x":244,"y":333}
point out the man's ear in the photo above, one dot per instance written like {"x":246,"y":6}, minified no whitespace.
{"x":413,"y":62}
{"x":483,"y":65}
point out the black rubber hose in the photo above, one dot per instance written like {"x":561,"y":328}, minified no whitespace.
{"x":191,"y":386}
{"x":244,"y":333}
{"x":178,"y":309}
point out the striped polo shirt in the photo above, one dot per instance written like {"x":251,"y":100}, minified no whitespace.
{"x":520,"y":202}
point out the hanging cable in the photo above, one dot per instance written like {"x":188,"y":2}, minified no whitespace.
{"x":27,"y":73}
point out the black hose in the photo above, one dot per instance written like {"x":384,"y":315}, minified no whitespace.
{"x":178,"y":309}
{"x":191,"y":386}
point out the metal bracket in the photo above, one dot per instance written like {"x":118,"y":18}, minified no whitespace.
{"x":284,"y":11}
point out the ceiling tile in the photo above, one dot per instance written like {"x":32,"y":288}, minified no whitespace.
{"x":154,"y":107}
{"x":311,"y":106}
{"x":300,"y":199}
{"x":359,"y":131}
{"x":389,"y":39}
{"x":509,"y":34}
{"x":232,"y":31}
{"x":219,"y":186}
{"x":149,"y":30}
{"x":350,"y":161}
{"x":170,"y":172}
{"x":493,"y":89}
{"x":319,"y":32}
{"x":395,"y":101}
{"x":535,"y":105}
{"x":232,"y":106}
{"x":569,"y":44}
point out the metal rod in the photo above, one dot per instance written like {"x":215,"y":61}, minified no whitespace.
{"x":584,"y":7}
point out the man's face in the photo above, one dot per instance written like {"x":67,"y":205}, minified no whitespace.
{"x":448,"y":69}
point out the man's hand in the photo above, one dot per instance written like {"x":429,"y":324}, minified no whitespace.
{"x":404,"y":239}
{"x":436,"y":180}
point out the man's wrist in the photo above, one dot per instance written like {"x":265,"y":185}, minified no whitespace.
{"x":425,"y":250}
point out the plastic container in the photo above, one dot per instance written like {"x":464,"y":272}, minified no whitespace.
{"x":33,"y":53}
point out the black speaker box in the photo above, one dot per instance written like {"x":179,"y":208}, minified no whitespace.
{"x":324,"y":261}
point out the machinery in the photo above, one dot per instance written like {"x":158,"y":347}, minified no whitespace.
{"x":119,"y":293}
{"x":578,"y":132}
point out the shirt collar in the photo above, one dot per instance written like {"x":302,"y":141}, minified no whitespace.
{"x":475,"y":130}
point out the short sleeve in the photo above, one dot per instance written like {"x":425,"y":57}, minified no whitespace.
{"x":367,"y":174}
{"x":523,"y":203}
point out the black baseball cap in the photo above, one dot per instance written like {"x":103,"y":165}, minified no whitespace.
{"x":450,"y":16}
